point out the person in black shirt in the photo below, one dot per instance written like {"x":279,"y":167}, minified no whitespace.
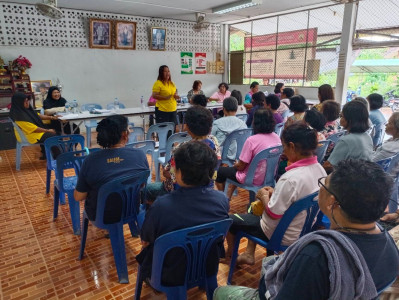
{"x":194,"y":203}
{"x":112,"y":162}
{"x":353,"y":197}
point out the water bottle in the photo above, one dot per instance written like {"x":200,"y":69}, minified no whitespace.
{"x":142,"y":102}
{"x":116,"y":104}
{"x":75,"y":105}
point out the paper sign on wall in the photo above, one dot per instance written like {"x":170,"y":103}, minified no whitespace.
{"x":200,"y":63}
{"x":186,"y":62}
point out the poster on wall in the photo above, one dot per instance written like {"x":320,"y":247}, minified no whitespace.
{"x":200,"y":63}
{"x":186,"y":62}
{"x":289,"y":60}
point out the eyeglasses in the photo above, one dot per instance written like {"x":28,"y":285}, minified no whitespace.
{"x":321,"y":184}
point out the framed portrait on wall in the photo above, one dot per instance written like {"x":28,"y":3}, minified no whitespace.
{"x":40,"y":89}
{"x":100,"y":34}
{"x":125,"y":35}
{"x":158,"y":38}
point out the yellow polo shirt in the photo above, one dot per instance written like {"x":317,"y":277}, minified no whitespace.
{"x":165,"y":90}
{"x":28,"y":129}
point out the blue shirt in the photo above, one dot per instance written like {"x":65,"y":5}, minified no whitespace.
{"x":103,"y":166}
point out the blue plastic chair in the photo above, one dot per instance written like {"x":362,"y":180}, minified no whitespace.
{"x":136,"y":134}
{"x":334,"y":138}
{"x":161,"y":130}
{"x":242,"y":117}
{"x":307,"y":203}
{"x":196,"y":242}
{"x":128,"y":188}
{"x":236,"y":138}
{"x":174,"y":139}
{"x":65,"y":143}
{"x":271,"y":156}
{"x":148,"y":147}
{"x":321,"y":150}
{"x":23,"y":143}
{"x":279,"y":128}
{"x":91,"y":123}
{"x":66,"y":185}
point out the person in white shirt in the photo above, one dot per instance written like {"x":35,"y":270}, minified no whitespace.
{"x":303,"y":171}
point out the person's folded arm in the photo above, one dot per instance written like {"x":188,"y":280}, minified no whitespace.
{"x":79,"y":196}
{"x":158,"y":96}
{"x":240,"y":165}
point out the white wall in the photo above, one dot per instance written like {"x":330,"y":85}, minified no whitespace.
{"x":94,"y":75}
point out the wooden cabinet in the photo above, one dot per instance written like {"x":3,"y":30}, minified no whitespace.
{"x":14,"y":81}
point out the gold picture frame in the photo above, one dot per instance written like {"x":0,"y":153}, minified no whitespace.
{"x":125,"y":35}
{"x":100,"y":34}
{"x":158,"y":39}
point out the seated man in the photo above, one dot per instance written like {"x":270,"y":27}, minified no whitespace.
{"x":224,"y":126}
{"x":352,"y":260}
{"x":194,"y":203}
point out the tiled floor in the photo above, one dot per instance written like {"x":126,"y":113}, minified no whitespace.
{"x":38,"y":256}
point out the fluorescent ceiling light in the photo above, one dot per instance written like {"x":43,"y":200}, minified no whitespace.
{"x":235,"y":6}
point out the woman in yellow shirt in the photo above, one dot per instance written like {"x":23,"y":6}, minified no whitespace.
{"x":29,"y":121}
{"x":165,"y":92}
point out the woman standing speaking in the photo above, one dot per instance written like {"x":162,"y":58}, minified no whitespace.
{"x":165,"y":92}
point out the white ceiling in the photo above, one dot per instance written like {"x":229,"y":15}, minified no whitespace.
{"x":184,"y":9}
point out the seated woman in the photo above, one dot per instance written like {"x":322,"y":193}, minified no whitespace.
{"x":330,"y":110}
{"x":254,"y":88}
{"x":325,"y":92}
{"x":194,"y":203}
{"x":391,"y":146}
{"x":298,"y":106}
{"x":222,"y":94}
{"x":357,"y":144}
{"x":258,"y":101}
{"x":241,"y":108}
{"x":55,"y":103}
{"x":196,"y":90}
{"x":352,"y":260}
{"x":376,"y":116}
{"x":199,"y":124}
{"x":278,"y":89}
{"x":300,"y":180}
{"x":263,"y":138}
{"x":103,"y":166}
{"x":30,"y":122}
{"x":317,"y":121}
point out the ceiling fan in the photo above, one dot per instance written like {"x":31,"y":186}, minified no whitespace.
{"x":201,"y":24}
{"x":49,"y":9}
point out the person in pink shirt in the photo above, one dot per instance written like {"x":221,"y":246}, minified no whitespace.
{"x":263,"y":138}
{"x":222,"y":94}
